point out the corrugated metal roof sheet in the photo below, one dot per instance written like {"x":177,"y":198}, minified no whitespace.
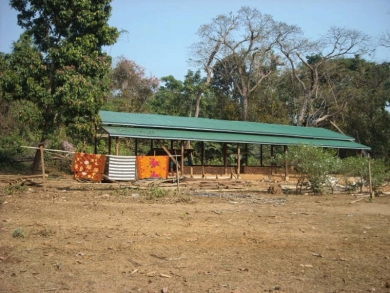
{"x":122,"y":168}
{"x":213,"y":125}
{"x":195,"y":135}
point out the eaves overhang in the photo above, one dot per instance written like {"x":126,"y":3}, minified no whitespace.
{"x":214,"y":136}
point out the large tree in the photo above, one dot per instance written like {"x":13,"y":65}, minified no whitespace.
{"x":131,"y":88}
{"x":181,"y":98}
{"x":67,"y":79}
{"x":311,"y":69}
{"x":243,"y":46}
{"x":366,"y":116}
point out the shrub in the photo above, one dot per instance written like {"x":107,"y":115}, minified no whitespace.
{"x":358,"y":167}
{"x":311,"y":163}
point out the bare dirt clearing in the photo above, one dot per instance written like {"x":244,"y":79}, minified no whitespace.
{"x":82,"y":237}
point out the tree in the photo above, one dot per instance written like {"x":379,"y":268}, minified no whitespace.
{"x":213,"y":36}
{"x":384,"y":39}
{"x":309,"y":62}
{"x":68,"y":78}
{"x":243,"y":45}
{"x":311,"y":163}
{"x":131,"y":88}
{"x":366,"y":116}
{"x":179,"y":98}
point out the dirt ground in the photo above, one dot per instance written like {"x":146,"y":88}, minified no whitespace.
{"x":90,"y":237}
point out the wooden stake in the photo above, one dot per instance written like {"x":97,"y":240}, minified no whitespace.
{"x":369,"y":175}
{"x":41,"y":147}
{"x":238,"y":161}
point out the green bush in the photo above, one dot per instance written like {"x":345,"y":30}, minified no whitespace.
{"x":311,"y":163}
{"x":358,"y":167}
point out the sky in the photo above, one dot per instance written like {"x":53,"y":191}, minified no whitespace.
{"x":159,"y":33}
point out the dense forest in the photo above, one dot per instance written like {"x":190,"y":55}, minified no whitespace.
{"x":250,"y":67}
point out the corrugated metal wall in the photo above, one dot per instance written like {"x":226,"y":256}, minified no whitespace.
{"x":122,"y":168}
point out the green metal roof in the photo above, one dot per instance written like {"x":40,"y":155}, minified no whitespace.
{"x":150,"y":126}
{"x":213,"y":125}
{"x":195,"y":135}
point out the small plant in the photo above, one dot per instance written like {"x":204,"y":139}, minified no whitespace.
{"x":19,"y":233}
{"x":156,"y":192}
{"x":14,"y":189}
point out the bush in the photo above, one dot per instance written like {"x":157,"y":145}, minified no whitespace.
{"x":311,"y":163}
{"x":358,"y":167}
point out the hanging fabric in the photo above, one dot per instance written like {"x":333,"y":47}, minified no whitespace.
{"x":152,"y":167}
{"x":89,"y":166}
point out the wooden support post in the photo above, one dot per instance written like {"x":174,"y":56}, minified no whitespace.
{"x":238,"y":161}
{"x":109,"y":144}
{"x":202,"y":155}
{"x":369,"y":175}
{"x":261,"y":156}
{"x":286,"y":178}
{"x":272,"y":156}
{"x":246,"y":154}
{"x":182,"y":157}
{"x":225,"y":157}
{"x":202,"y":158}
{"x":136,"y":147}
{"x":41,"y":147}
{"x":117,"y":146}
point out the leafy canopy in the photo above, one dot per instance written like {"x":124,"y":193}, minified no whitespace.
{"x":66,"y":77}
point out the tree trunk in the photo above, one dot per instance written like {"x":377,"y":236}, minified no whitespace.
{"x":197,"y":106}
{"x":244,"y":108}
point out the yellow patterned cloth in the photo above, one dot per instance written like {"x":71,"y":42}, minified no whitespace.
{"x":152,"y":167}
{"x":89,"y":166}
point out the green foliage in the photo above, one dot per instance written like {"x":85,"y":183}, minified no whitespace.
{"x":156,"y":192}
{"x":179,"y":98}
{"x":14,"y":189}
{"x":58,"y":64}
{"x":311,"y":163}
{"x":19,"y":233}
{"x":359,"y":167}
{"x":130,"y":87}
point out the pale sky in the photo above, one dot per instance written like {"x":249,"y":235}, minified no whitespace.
{"x":160,"y":32}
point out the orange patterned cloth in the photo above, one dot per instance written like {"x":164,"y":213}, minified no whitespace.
{"x":89,"y":166}
{"x":152,"y":167}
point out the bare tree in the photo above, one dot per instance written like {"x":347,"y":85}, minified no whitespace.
{"x":384,"y":39}
{"x":213,"y":37}
{"x":244,"y":46}
{"x":310,"y":64}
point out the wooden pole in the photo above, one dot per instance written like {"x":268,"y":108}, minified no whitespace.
{"x":246,"y":154}
{"x":286,"y":178}
{"x":117,"y":146}
{"x":177,"y":177}
{"x":261,"y":155}
{"x":109,"y":144}
{"x":369,"y":175}
{"x":182,"y":157}
{"x":238,"y":161}
{"x":225,"y":157}
{"x":202,"y":153}
{"x":41,"y":147}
